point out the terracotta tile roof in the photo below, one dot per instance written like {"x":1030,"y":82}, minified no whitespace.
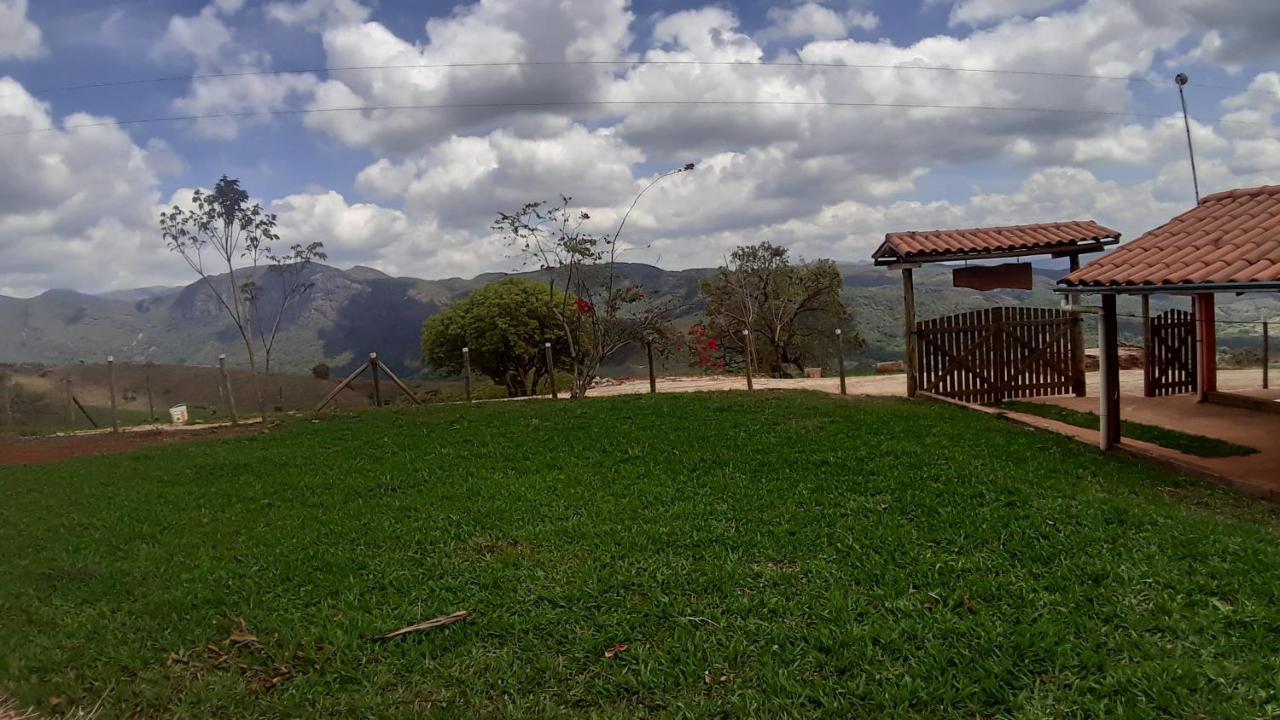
{"x":1230,"y":237}
{"x":1044,"y":238}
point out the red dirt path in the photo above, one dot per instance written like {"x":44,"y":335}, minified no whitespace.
{"x":41,"y":450}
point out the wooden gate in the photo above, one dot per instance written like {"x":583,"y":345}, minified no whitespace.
{"x":995,"y":354}
{"x":1170,"y":364}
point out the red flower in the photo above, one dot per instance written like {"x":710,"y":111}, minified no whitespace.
{"x":713,"y":345}
{"x":584,"y":307}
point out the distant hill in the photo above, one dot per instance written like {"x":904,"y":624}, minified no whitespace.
{"x":350,"y":313}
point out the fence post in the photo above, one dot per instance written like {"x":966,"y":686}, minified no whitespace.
{"x":551,"y":373}
{"x":71,"y":404}
{"x":1266,"y":355}
{"x":746,"y":354}
{"x":225,"y":385}
{"x":111,"y":385}
{"x":377,"y":380}
{"x":653,"y":379}
{"x":8,"y":401}
{"x":840,"y":360}
{"x":151,"y":404}
{"x":466,"y":372}
{"x":1078,"y":382}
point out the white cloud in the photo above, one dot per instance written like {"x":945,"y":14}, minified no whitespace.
{"x":77,"y":207}
{"x":814,"y":20}
{"x":19,"y":37}
{"x":977,"y":12}
{"x":208,"y":41}
{"x":486,"y":31}
{"x":319,"y":14}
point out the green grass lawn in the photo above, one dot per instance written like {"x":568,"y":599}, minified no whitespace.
{"x":1164,"y":437}
{"x":766,"y":555}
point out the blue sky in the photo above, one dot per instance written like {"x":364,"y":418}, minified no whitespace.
{"x":413,"y":191}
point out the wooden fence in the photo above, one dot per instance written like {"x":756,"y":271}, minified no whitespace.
{"x":1001,"y":353}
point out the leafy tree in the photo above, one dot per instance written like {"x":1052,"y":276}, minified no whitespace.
{"x":505,"y":325}
{"x":223,"y":227}
{"x":792,"y":310}
{"x":320,"y":371}
{"x":598,"y":312}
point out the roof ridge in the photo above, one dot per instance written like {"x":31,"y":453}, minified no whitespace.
{"x":1241,"y":192}
{"x":998,"y":228}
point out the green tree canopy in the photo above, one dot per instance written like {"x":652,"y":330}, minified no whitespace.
{"x":792,"y":309}
{"x":505,"y":325}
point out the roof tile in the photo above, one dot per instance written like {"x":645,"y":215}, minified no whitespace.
{"x":914,"y":245}
{"x":1229,"y":237}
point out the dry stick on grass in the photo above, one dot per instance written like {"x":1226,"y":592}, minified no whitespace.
{"x":441,"y":621}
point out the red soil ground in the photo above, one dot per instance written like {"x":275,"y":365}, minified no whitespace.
{"x":40,"y":450}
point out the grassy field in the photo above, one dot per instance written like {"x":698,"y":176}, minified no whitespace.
{"x":767,"y":555}
{"x":1164,"y":437}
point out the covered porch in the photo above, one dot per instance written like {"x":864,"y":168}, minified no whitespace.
{"x":1228,"y":243}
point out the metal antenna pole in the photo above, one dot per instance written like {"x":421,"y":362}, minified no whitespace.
{"x":1181,"y":80}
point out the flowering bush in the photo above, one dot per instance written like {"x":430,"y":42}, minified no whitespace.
{"x":705,"y":351}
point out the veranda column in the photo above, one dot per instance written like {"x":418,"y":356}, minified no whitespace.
{"x":1206,"y":347}
{"x":1109,"y":373}
{"x":909,"y":321}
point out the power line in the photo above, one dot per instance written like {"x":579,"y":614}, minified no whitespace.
{"x":615,"y":63}
{"x":611,"y":103}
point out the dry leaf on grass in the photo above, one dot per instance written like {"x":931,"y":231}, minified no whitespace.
{"x":615,"y":651}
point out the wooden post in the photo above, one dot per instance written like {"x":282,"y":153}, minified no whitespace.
{"x":1078,"y":384}
{"x":225,"y":381}
{"x":71,"y":404}
{"x":8,"y":401}
{"x":466,"y":372}
{"x":1206,"y":346}
{"x":111,"y":386}
{"x":395,"y":379}
{"x":377,"y":380}
{"x":653,"y":378}
{"x":551,"y":373}
{"x":342,"y":386}
{"x":746,"y":354}
{"x":151,"y":403}
{"x":1266,"y":356}
{"x":840,"y":360}
{"x":1148,"y":362}
{"x":909,"y":321}
{"x":1109,"y":360}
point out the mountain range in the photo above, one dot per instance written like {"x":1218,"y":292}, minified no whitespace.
{"x":349,"y":313}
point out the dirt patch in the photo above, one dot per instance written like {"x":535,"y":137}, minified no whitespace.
{"x":41,"y":450}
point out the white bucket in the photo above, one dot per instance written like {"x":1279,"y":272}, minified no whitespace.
{"x":178,"y":413}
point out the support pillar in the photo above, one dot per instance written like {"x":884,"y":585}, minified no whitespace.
{"x":1109,"y":361}
{"x":1148,"y":350}
{"x":909,"y":334}
{"x":1206,"y":346}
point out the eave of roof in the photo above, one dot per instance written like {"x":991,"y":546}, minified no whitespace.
{"x":1229,"y":241}
{"x":1057,"y":239}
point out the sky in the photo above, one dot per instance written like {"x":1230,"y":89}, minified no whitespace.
{"x":592,"y":99}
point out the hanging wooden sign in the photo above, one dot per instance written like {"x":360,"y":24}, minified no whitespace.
{"x":1013,"y":276}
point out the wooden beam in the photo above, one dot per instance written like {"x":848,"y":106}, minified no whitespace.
{"x":342,"y":386}
{"x":1148,"y":359}
{"x":844,"y":390}
{"x":405,"y":388}
{"x":1206,"y":346}
{"x":653,"y":378}
{"x":1109,"y":358}
{"x":1266,"y":355}
{"x":111,"y":386}
{"x":909,"y":334}
{"x":377,"y":381}
{"x":225,"y":379}
{"x":551,"y":372}
{"x":466,"y":372}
